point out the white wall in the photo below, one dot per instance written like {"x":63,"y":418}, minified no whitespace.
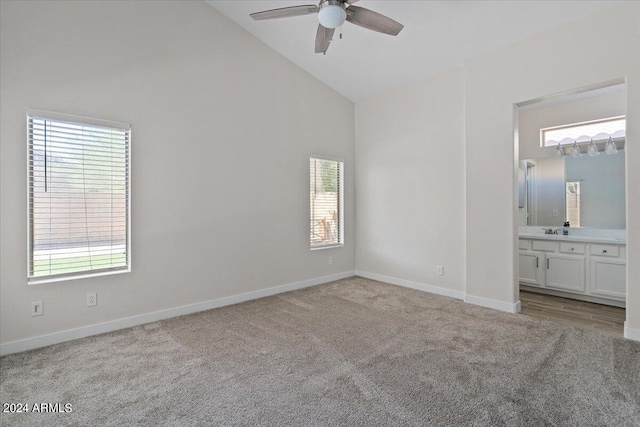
{"x":222,"y":131}
{"x":410,"y":182}
{"x":539,"y":66}
{"x":397,"y":160}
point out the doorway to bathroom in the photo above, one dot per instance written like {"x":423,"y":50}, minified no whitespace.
{"x":571,"y":207}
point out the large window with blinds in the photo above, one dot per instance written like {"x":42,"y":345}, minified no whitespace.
{"x":326,"y":203}
{"x":78,"y":197}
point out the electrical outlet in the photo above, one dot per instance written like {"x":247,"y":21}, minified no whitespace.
{"x":36,"y":308}
{"x":92,"y":299}
{"x":330,"y":260}
{"x":440,"y":270}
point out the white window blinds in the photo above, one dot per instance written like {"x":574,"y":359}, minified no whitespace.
{"x":326,"y":202}
{"x":78,"y":196}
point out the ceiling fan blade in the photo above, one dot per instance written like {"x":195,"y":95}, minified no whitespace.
{"x":285,"y":12}
{"x":373,"y":21}
{"x":323,"y":38}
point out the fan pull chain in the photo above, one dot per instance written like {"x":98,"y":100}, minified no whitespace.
{"x":340,"y":32}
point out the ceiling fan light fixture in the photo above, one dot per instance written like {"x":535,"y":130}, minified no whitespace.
{"x":332,"y":14}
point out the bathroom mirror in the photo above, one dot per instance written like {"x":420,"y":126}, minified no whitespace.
{"x":587,"y":191}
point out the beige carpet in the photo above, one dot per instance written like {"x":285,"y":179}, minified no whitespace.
{"x":353,"y":352}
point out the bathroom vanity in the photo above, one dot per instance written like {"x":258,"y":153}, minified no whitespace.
{"x":590,"y":268}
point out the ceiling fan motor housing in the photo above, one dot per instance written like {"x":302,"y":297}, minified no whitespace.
{"x":332,"y":13}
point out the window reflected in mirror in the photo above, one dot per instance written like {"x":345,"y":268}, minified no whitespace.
{"x":573,"y":203}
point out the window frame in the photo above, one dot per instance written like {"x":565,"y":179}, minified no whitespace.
{"x":63,"y":277}
{"x":340,"y":201}
{"x":578,"y":184}
{"x":543,"y":131}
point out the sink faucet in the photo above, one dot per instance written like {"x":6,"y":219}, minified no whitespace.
{"x":551,"y":230}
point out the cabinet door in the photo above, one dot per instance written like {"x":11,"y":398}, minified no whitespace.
{"x":531,"y":268}
{"x":565,"y":272}
{"x":608,"y":277}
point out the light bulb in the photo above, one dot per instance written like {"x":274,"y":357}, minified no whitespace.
{"x":592,"y":150}
{"x":575,"y":150}
{"x":610,"y":147}
{"x":559,"y":151}
{"x":332,"y":15}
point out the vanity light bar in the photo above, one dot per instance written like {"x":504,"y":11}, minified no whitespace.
{"x":610,"y":147}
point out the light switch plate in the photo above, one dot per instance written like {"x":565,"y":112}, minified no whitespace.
{"x":37,"y":308}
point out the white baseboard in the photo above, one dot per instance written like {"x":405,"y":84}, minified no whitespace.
{"x":413,"y":285}
{"x":492,"y":303}
{"x":114,"y":325}
{"x":631,"y":333}
{"x":484,"y":302}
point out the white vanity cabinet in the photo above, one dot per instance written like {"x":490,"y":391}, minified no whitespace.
{"x":530,"y":271}
{"x":587,"y":270}
{"x":565,"y":272}
{"x":607,"y":271}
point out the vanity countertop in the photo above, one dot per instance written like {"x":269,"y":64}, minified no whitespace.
{"x":574,"y":238}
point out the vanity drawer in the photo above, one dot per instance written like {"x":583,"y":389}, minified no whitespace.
{"x":605,"y":250}
{"x":542,"y":245}
{"x":525,"y":245}
{"x":572,"y":248}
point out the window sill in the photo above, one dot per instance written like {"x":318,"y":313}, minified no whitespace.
{"x":37,"y":281}
{"x":317,"y":248}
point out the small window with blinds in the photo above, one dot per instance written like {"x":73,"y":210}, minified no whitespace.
{"x":78,"y":197}
{"x":326,"y":203}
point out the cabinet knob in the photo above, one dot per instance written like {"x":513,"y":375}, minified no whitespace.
{"x":571,"y":248}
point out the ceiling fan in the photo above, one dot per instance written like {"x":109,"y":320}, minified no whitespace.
{"x":331,"y":15}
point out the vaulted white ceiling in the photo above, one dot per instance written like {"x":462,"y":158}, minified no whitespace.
{"x":438,"y":35}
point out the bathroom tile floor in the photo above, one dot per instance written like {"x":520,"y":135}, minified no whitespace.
{"x":571,"y":312}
